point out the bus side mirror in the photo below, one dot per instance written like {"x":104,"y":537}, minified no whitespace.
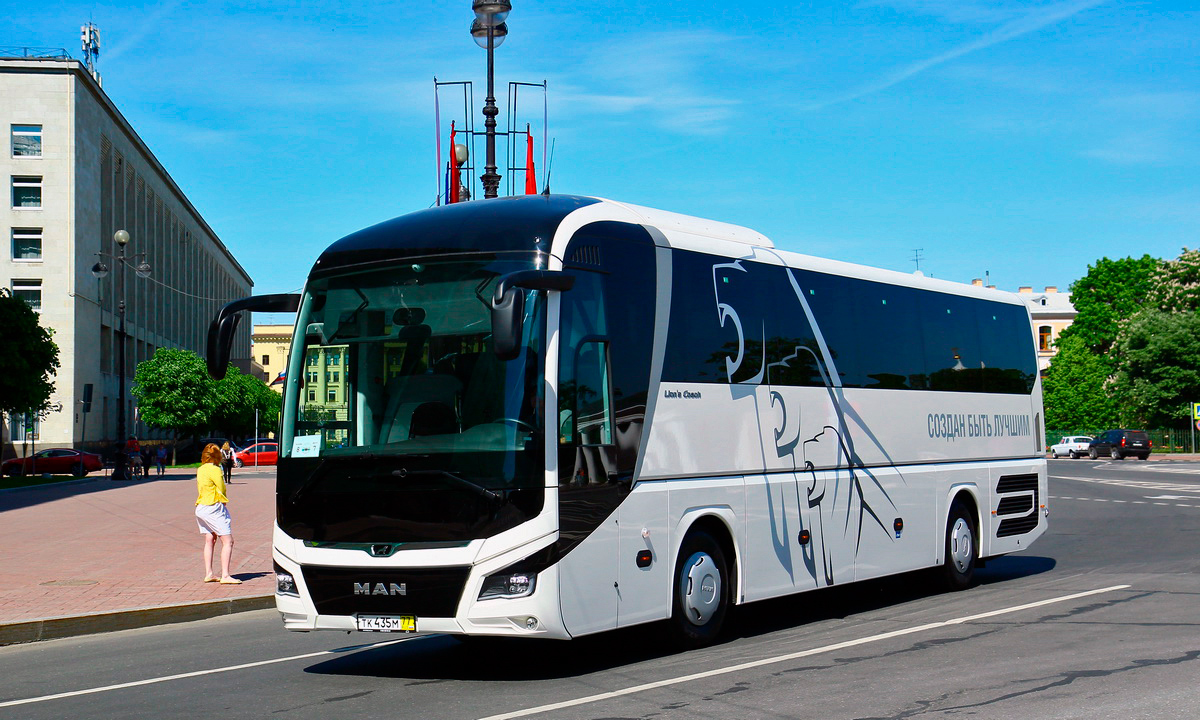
{"x":508,"y":306}
{"x":221,"y":329}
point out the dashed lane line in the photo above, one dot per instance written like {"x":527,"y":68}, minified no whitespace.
{"x":1123,"y":502}
{"x":793,"y":656}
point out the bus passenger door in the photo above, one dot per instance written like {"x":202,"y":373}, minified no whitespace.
{"x":606,"y":330}
{"x":644,"y":574}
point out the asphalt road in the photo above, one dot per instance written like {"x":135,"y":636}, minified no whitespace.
{"x":1100,"y":619}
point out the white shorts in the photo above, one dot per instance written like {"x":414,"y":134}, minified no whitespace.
{"x":213,"y":519}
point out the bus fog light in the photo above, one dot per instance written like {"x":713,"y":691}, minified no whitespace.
{"x":508,"y":585}
{"x":531,"y":623}
{"x":285,"y":584}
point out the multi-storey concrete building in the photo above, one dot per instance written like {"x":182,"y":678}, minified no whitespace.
{"x":77,"y":172}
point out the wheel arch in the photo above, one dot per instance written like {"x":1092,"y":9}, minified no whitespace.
{"x":968,"y":495}
{"x":718,"y":523}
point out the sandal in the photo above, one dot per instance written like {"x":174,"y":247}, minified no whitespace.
{"x":210,"y":578}
{"x":230,"y":581}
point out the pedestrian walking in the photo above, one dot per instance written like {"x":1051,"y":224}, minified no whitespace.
{"x":227,"y":461}
{"x":160,"y":458}
{"x":212,"y":515}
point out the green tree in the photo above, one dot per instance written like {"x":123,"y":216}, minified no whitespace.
{"x":1111,"y":292}
{"x":174,"y":392}
{"x":29,"y":360}
{"x":1159,"y":371}
{"x":238,"y":396}
{"x":1074,"y":390}
{"x":1176,"y":284}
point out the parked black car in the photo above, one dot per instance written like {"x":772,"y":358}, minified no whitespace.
{"x":1120,"y":444}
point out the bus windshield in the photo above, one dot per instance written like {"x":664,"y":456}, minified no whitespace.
{"x":399,"y":389}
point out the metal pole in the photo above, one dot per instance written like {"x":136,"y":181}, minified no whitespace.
{"x":491,"y":179}
{"x":119,"y":468}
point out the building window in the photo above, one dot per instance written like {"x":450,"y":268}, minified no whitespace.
{"x":26,"y":244}
{"x":266,"y":360}
{"x":1044,"y":338}
{"x":334,"y":359}
{"x":312,"y":395}
{"x":26,"y":140}
{"x":26,"y":192}
{"x":30,"y":291}
{"x":331,"y":395}
{"x":25,"y":427}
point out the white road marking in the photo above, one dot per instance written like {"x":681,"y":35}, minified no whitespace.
{"x":793,"y":656}
{"x":198,"y":673}
{"x":1130,"y":502}
{"x":1138,"y":484}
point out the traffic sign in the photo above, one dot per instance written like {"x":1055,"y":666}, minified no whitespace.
{"x":1196,"y":411}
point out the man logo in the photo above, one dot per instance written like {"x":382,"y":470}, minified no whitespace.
{"x":380,"y":589}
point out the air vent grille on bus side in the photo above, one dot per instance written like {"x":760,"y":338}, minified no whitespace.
{"x":1025,"y":504}
{"x":584,"y":255}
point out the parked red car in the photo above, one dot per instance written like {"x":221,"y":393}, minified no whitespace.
{"x":56,"y":461}
{"x":263,"y":453}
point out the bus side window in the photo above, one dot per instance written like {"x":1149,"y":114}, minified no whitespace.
{"x":593,"y":396}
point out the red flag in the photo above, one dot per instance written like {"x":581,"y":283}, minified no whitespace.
{"x":530,"y":173}
{"x":452,"y":191}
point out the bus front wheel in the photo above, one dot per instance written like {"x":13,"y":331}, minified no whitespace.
{"x":701,"y":591}
{"x":958,"y":571}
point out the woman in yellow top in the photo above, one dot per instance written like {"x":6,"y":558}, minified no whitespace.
{"x":212,"y":515}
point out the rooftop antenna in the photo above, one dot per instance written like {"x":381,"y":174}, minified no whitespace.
{"x":549,"y":166}
{"x":917,"y":257}
{"x":89,"y":36}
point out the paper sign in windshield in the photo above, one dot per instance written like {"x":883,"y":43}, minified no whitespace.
{"x":306,"y":446}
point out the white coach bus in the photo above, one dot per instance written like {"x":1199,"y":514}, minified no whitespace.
{"x":553,"y":416}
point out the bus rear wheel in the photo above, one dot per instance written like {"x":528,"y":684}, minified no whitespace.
{"x":958,"y":570}
{"x":701,"y":591}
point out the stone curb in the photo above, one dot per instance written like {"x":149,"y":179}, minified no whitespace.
{"x":61,"y":627}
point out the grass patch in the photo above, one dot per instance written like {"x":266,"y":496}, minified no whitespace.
{"x":9,"y":482}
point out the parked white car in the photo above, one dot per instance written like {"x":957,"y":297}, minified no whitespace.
{"x":1074,"y":446}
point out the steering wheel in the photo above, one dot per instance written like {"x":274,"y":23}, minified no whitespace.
{"x":518,"y":422}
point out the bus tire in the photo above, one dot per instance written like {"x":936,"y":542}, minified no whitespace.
{"x":958,"y":570}
{"x":701,"y":594}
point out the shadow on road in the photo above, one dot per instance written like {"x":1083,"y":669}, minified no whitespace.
{"x":441,"y":658}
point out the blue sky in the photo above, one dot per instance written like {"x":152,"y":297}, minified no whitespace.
{"x":1023,"y":139}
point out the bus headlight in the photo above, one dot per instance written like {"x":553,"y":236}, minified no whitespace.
{"x":508,"y":585}
{"x":285,"y":584}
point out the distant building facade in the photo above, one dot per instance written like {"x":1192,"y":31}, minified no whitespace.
{"x":76,"y":173}
{"x":269,"y":346}
{"x":1051,"y":312}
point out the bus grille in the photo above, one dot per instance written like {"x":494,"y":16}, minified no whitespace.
{"x":428,"y":592}
{"x":1021,"y":499}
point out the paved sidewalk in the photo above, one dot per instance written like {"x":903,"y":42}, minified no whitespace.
{"x":102,"y":555}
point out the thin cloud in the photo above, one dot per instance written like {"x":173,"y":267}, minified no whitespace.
{"x":1008,"y":31}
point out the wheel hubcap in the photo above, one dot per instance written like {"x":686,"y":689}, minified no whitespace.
{"x":700,"y":588}
{"x":961,"y":544}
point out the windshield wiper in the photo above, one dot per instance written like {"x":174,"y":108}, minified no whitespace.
{"x":486,"y":493}
{"x":307,"y":484}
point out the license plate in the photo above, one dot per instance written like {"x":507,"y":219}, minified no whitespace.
{"x":387,"y":623}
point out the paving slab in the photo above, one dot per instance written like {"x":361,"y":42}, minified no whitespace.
{"x":100,"y":555}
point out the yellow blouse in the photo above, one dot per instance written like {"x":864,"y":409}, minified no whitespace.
{"x":210,"y":484}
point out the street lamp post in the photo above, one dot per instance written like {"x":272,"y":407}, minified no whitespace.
{"x":100,"y":270}
{"x":489,"y":31}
